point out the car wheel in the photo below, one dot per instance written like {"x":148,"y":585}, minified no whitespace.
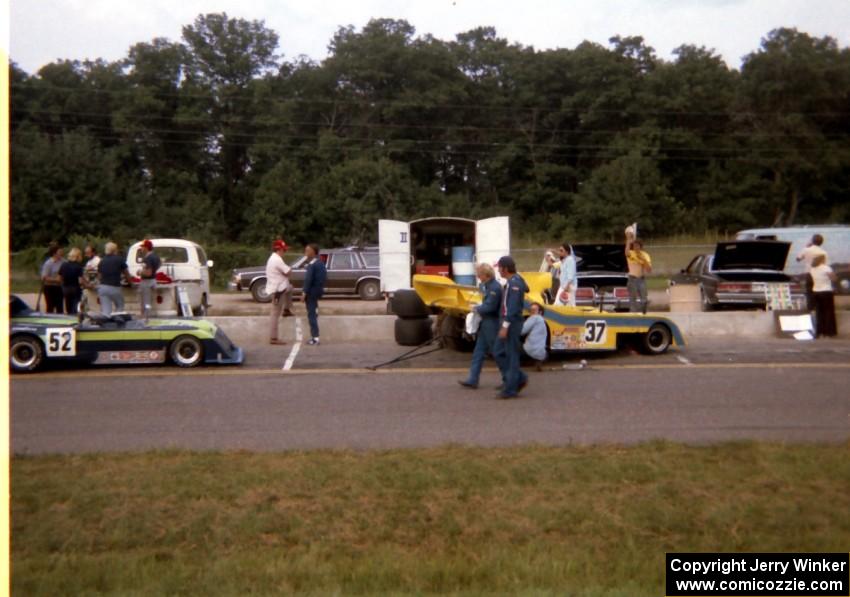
{"x":369,"y":290}
{"x":407,"y":304}
{"x":26,"y":353}
{"x":412,"y":332}
{"x":186,"y":351}
{"x":657,"y":339}
{"x":258,"y":291}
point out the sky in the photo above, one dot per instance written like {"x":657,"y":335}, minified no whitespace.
{"x":42,"y":31}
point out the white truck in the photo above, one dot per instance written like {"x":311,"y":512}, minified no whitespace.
{"x":183,"y":279}
{"x":426,"y":246}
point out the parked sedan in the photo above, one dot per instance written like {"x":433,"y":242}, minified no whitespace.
{"x":351,"y":271}
{"x":739,"y":274}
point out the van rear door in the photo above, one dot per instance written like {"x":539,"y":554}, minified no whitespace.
{"x":394,"y":249}
{"x":492,"y":239}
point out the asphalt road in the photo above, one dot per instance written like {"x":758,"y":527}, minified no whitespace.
{"x":778,"y":390}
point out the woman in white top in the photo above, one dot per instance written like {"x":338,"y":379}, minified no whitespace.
{"x":822,"y":279}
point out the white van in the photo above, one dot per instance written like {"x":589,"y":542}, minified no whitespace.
{"x":428,"y":246}
{"x":836,"y":242}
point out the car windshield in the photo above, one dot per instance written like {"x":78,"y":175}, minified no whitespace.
{"x":168,"y":254}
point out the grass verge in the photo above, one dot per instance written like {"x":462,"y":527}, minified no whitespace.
{"x":464,"y":521}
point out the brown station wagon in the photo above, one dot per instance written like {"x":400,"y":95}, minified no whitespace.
{"x":351,"y":271}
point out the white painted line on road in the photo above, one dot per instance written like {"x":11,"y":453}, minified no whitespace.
{"x":294,"y":353}
{"x":683,"y":360}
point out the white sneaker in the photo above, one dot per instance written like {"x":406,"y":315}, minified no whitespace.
{"x":313,"y":342}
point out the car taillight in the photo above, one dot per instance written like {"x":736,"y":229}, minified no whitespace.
{"x":584,"y":293}
{"x":796,"y":288}
{"x":159,"y":299}
{"x":737,"y":287}
{"x":621,"y":292}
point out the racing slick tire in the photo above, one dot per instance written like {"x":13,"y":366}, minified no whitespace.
{"x":412,"y":332}
{"x":258,"y":291}
{"x":26,"y":354}
{"x":186,"y":351}
{"x":369,"y":290}
{"x":452,"y":334}
{"x":407,"y":305}
{"x":657,"y":340}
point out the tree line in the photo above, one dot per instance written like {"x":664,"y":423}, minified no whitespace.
{"x":217,"y":138}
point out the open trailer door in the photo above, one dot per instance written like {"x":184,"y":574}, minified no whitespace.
{"x":492,"y":239}
{"x":394,"y":247}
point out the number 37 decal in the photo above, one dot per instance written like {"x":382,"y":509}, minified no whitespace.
{"x":61,"y":342}
{"x":595,"y":332}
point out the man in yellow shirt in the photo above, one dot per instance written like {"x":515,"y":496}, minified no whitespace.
{"x":640,"y":264}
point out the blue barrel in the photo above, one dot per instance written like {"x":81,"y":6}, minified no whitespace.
{"x":463,"y":267}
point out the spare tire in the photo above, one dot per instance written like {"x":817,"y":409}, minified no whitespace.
{"x":412,"y":332}
{"x":407,"y":305}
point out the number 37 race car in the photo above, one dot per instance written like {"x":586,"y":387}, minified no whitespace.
{"x":570,"y":329}
{"x":119,"y":339}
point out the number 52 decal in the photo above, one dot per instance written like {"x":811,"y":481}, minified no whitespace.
{"x":61,"y":342}
{"x":595,"y":332}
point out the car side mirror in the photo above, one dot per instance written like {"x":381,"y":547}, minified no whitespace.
{"x":209,"y":262}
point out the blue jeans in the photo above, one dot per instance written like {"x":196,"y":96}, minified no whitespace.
{"x":487,"y":332}
{"x":507,"y":353}
{"x":109,"y":296}
{"x":312,"y":304}
{"x":637,"y":287}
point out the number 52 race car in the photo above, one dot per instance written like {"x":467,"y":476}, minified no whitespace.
{"x":570,"y":329}
{"x":119,"y":339}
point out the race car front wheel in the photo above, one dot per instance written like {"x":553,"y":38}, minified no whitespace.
{"x":25,"y":353}
{"x":186,"y":351}
{"x":657,"y":340}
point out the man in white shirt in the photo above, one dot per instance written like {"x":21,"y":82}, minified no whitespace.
{"x":279,"y":288}
{"x":808,"y":255}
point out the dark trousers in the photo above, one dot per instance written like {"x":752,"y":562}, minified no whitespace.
{"x":825,"y":314}
{"x":809,"y":284}
{"x":484,"y":344}
{"x":53,"y":299}
{"x":507,"y":353}
{"x":72,"y":298}
{"x":312,"y":304}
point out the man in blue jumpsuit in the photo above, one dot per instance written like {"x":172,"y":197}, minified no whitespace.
{"x":508,"y":347}
{"x":491,"y":291}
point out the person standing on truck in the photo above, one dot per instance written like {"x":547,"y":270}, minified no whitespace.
{"x":508,"y":347}
{"x":278,"y":287}
{"x":640,"y":264}
{"x":808,"y":255}
{"x":147,"y":275}
{"x":313,"y":289}
{"x":488,"y":329}
{"x":568,"y":276}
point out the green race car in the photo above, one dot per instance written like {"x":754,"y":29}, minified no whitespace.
{"x":119,"y":339}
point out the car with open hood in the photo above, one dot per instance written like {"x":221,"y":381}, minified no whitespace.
{"x":740,"y":274}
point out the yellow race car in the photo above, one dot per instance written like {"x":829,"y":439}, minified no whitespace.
{"x":577,"y":329}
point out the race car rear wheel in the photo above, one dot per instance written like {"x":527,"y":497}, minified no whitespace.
{"x":657,"y":339}
{"x":26,"y":353}
{"x":407,"y":305}
{"x":186,"y":351}
{"x":258,"y":291}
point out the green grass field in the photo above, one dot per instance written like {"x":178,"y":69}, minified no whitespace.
{"x":458,"y":521}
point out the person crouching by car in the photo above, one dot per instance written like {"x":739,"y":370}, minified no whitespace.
{"x":278,"y":287}
{"x":314,"y":288}
{"x":488,"y":328}
{"x":534,"y":331}
{"x":822,"y":290}
{"x":147,"y":275}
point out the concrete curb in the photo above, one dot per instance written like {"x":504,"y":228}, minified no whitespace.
{"x":351,"y":328}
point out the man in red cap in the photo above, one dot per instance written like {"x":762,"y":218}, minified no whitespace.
{"x":278,"y":287}
{"x":150,"y":264}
